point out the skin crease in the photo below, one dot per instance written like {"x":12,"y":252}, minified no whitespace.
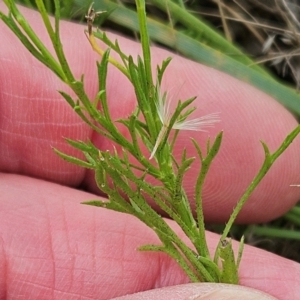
{"x":51,"y":247}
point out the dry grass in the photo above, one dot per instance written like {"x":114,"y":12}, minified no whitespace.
{"x":268,"y":31}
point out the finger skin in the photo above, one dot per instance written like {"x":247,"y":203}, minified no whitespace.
{"x":200,"y":291}
{"x":52,"y":247}
{"x":34,"y":118}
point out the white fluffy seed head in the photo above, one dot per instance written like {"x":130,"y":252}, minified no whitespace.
{"x":164,"y":113}
{"x":198,"y":124}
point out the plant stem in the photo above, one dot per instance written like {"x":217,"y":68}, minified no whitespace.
{"x":141,"y":11}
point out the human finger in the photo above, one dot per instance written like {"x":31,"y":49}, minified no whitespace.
{"x":51,"y":246}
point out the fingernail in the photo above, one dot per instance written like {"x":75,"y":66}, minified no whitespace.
{"x":230,"y":292}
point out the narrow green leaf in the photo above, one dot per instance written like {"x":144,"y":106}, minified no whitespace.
{"x":80,"y":145}
{"x":161,"y":70}
{"x":229,"y":269}
{"x":73,"y":159}
{"x":240,"y":252}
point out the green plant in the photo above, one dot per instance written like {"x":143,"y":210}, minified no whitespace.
{"x":152,"y":126}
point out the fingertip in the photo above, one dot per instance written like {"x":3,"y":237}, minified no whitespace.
{"x":200,"y":291}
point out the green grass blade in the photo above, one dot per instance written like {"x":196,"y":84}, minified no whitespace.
{"x":209,"y":36}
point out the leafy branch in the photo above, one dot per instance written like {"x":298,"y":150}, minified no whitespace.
{"x":151,"y":125}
